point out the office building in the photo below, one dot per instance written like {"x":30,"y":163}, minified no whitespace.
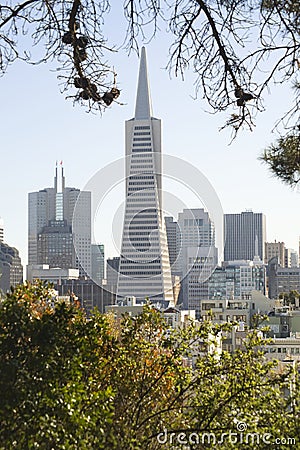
{"x":89,"y":293}
{"x":11,"y":269}
{"x":59,"y":226}
{"x":97,"y":263}
{"x":198,"y":256}
{"x":144,"y":261}
{"x":275,"y":249}
{"x":112,"y":273}
{"x":282,"y":279}
{"x":174,"y":244}
{"x":244,"y":236}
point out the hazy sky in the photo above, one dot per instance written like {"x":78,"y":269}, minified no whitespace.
{"x":38,"y":126}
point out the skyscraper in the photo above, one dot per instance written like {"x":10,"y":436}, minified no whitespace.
{"x":144,"y":260}
{"x":54,"y":231}
{"x":244,"y":236}
{"x":198,"y":256}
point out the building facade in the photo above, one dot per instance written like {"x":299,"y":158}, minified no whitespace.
{"x":237,"y":280}
{"x":97,"y":263}
{"x":282,"y":279}
{"x":59,"y":226}
{"x":275,"y":249}
{"x":11,"y":269}
{"x":244,"y":236}
{"x":174,"y":244}
{"x":144,"y":261}
{"x":291,"y":258}
{"x":198,"y":256}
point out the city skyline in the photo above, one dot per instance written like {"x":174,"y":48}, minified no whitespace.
{"x":45,"y":128}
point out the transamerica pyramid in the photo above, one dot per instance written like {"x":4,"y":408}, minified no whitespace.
{"x":144,"y":270}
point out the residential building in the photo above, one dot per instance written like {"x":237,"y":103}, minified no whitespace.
{"x":236,"y":280}
{"x":284,"y":349}
{"x":59,"y":226}
{"x":144,"y":261}
{"x":244,"y":236}
{"x":236,"y":309}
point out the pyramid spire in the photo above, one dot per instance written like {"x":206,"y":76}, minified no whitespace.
{"x":143,"y":106}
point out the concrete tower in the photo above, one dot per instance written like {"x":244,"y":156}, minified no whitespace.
{"x":144,"y":262}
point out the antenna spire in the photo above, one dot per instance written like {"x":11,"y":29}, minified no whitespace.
{"x":143,"y":106}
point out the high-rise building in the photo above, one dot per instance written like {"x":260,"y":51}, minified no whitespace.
{"x":144,"y":261}
{"x":244,"y":236}
{"x":59,"y":226}
{"x":198,"y":256}
{"x":275,"y":249}
{"x":11,"y":269}
{"x":97,"y":271}
{"x":174,"y":244}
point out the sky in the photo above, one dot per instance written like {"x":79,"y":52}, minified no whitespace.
{"x":39,"y":126}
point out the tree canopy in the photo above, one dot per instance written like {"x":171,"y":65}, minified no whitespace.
{"x":72,"y":382}
{"x":236,"y":48}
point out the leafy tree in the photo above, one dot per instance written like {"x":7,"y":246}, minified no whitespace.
{"x":50,"y":398}
{"x":236,"y":48}
{"x":290,"y":297}
{"x":69,"y":382}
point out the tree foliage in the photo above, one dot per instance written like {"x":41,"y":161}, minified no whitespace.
{"x":69,"y":382}
{"x":236,"y":48}
{"x":290,"y":297}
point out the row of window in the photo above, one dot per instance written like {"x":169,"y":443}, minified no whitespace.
{"x":141,"y":150}
{"x":142,"y":200}
{"x":291,"y":350}
{"x":139,"y":139}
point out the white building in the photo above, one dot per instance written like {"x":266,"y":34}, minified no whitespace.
{"x":52,"y":275}
{"x":144,"y":261}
